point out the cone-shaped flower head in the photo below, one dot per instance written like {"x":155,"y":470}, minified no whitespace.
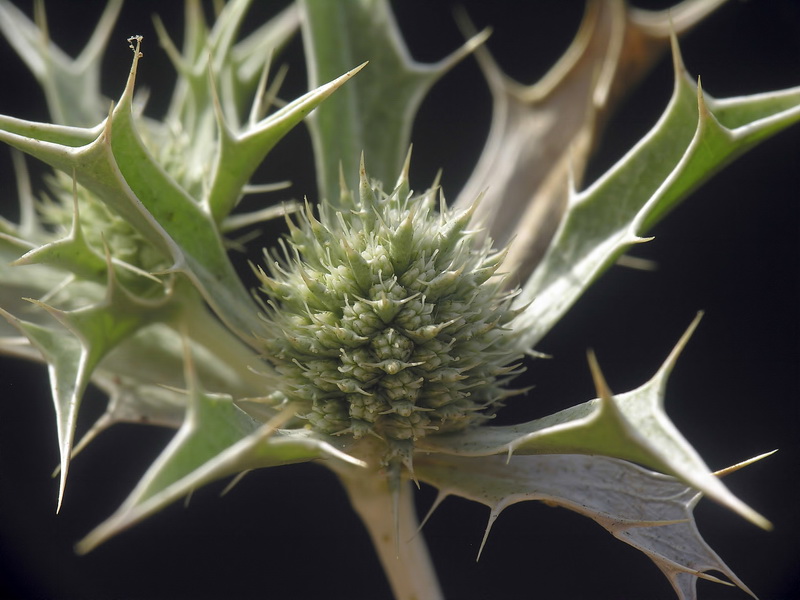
{"x":388,"y":317}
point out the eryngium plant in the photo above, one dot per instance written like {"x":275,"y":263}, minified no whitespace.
{"x":382,"y":334}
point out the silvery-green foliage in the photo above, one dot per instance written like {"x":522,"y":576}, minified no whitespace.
{"x":388,"y":326}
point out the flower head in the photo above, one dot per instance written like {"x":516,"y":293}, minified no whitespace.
{"x":388,"y":317}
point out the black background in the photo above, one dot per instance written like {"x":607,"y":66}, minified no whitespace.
{"x":731,"y":250}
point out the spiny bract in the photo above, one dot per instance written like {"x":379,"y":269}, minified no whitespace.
{"x":388,"y":318}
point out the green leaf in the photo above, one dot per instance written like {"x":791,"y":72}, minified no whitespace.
{"x":631,"y":426}
{"x":215,"y":50}
{"x":131,"y":400}
{"x":113,"y":163}
{"x":117,"y":167}
{"x":542,"y":135}
{"x":650,"y":511}
{"x":33,"y":281}
{"x":71,"y":86}
{"x":73,"y":352}
{"x":687,"y":145}
{"x":216,"y":440}
{"x":238,"y":71}
{"x":241,"y":154}
{"x":72,"y":254}
{"x":66,"y":361}
{"x":374,"y":114}
{"x":15,"y":240}
{"x":142,"y":374}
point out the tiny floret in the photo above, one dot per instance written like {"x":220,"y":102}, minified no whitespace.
{"x":388,"y":317}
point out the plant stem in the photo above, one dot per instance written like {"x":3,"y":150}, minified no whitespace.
{"x":401,"y":547}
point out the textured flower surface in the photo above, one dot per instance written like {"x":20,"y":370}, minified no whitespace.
{"x":390,"y":320}
{"x":383,"y":334}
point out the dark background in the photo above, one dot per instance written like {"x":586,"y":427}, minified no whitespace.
{"x":732,"y":251}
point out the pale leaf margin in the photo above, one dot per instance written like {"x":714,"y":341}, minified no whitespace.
{"x":650,"y":511}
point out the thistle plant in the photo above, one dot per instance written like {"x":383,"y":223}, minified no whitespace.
{"x":384,"y":331}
